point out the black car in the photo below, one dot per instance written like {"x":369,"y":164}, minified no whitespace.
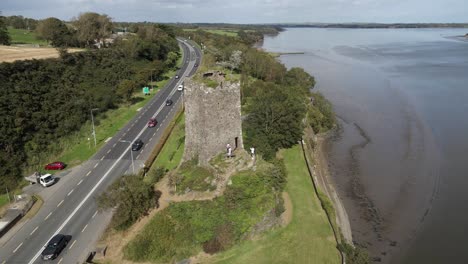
{"x":168,"y":102}
{"x":137,"y":145}
{"x":196,"y":64}
{"x":54,"y":247}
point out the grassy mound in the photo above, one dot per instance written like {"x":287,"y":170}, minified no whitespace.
{"x":185,"y":228}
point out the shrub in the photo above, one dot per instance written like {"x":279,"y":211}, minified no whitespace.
{"x":354,"y":255}
{"x":155,"y":174}
{"x":132,"y":197}
{"x":320,"y":114}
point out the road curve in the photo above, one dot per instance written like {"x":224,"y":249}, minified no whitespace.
{"x":69,"y":207}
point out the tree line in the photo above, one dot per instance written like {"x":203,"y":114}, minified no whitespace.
{"x":42,"y":101}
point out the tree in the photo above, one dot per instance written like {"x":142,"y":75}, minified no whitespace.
{"x":132,"y":197}
{"x":126,"y":89}
{"x":5,"y":38}
{"x":275,"y":117}
{"x":235,"y":59}
{"x":54,"y":30}
{"x":92,"y":28}
{"x":298,"y":77}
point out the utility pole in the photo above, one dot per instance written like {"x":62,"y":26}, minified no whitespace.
{"x":92,"y":121}
{"x":8,"y":194}
{"x":131,"y":153}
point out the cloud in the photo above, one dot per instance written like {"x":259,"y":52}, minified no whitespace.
{"x":247,"y":11}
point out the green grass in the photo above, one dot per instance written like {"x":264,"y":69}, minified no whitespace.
{"x":3,"y":199}
{"x":171,"y":154}
{"x":23,"y":36}
{"x":195,"y":178}
{"x":307,"y":239}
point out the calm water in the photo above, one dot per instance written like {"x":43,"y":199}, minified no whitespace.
{"x":400,"y":162}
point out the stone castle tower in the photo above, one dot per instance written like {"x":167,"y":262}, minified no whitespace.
{"x":212,"y":118}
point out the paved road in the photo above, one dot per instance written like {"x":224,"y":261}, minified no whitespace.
{"x":70,"y":206}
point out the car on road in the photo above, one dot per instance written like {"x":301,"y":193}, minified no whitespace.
{"x":180,"y":88}
{"x":177,"y":76}
{"x":152,"y":122}
{"x":196,"y":64}
{"x":47,"y":180}
{"x":137,"y":145}
{"x":169,"y":102}
{"x":58,"y":165}
{"x":54,"y":247}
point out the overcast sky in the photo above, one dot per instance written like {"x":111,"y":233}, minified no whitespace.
{"x":247,"y":11}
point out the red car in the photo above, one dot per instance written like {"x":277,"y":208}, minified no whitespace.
{"x":152,"y":122}
{"x":58,"y":165}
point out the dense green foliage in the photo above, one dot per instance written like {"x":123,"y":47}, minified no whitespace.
{"x":320,"y":113}
{"x":131,"y":197}
{"x":275,"y":118}
{"x":5,"y":38}
{"x":184,"y":228}
{"x":91,"y":27}
{"x":44,"y":100}
{"x":20,"y":22}
{"x":190,"y":176}
{"x":354,"y":255}
{"x":53,"y":30}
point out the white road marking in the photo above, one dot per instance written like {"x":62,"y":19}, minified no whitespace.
{"x":47,"y":217}
{"x":94,"y":214}
{"x":59,"y":204}
{"x":150,"y":139}
{"x":108,"y":151}
{"x":60,"y":261}
{"x":4,"y":262}
{"x":79,"y":182}
{"x":107,"y":140}
{"x":114,"y":145}
{"x":125,"y":133}
{"x":102,"y":158}
{"x":33,"y":231}
{"x":70,"y":192}
{"x":82,"y":230}
{"x":139,"y":109}
{"x":91,"y":192}
{"x":16,"y":249}
{"x":96,"y":165}
{"x":89,"y":172}
{"x":138,"y":155}
{"x":72,"y":244}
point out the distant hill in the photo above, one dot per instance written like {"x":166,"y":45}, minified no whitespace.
{"x":373,"y":25}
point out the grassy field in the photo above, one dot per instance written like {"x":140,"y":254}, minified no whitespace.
{"x":307,"y":239}
{"x":23,"y":36}
{"x":225,"y":32}
{"x":171,"y":154}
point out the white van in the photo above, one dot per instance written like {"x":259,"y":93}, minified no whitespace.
{"x":47,"y":180}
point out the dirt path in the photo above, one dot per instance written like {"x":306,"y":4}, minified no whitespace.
{"x":287,"y":215}
{"x":324,"y":180}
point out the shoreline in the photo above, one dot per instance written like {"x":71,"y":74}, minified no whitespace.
{"x":322,"y":177}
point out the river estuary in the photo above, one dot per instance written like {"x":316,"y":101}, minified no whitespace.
{"x":399,"y":161}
